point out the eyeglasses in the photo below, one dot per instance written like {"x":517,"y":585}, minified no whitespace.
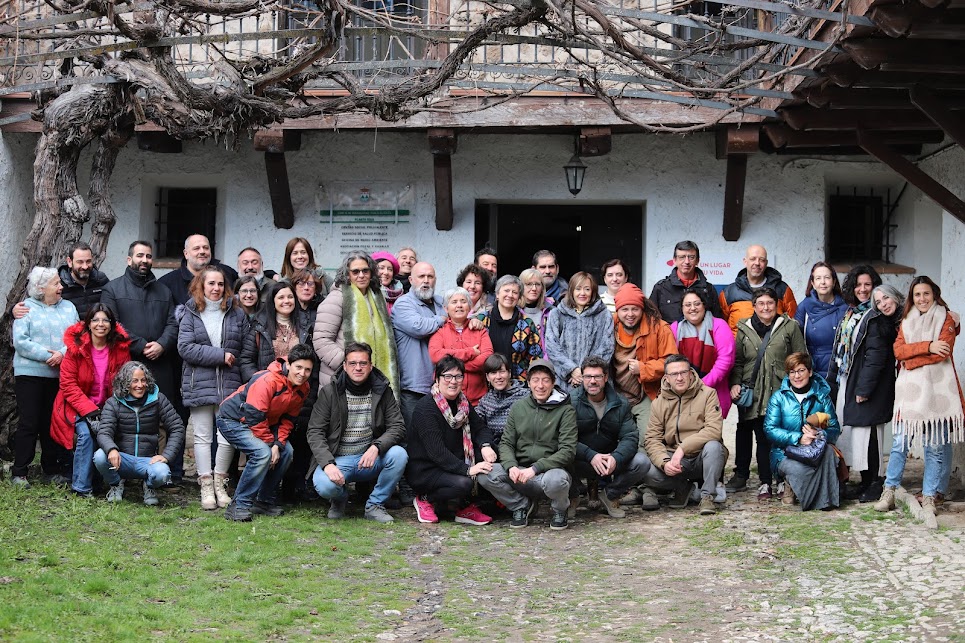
{"x":593,"y":377}
{"x":360,"y":271}
{"x":683,"y":257}
{"x":357,"y":364}
{"x":100,"y":320}
{"x":798,"y":372}
{"x":246,"y":292}
{"x":677,"y":376}
{"x":694,"y":304}
{"x":453,"y":378}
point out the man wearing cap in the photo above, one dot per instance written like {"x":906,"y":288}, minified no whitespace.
{"x":683,"y":438}
{"x":536,"y":449}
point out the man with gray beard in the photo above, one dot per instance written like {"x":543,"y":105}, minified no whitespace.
{"x":416,"y":315}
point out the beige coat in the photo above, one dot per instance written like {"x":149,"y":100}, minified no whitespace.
{"x":328,"y":337}
{"x":689,"y":421}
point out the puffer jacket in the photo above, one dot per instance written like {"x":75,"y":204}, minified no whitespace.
{"x":615,"y":433}
{"x":146,"y":308}
{"x":205,"y":378}
{"x":819,"y":322}
{"x":77,"y":380}
{"x":268,"y":405}
{"x":328,"y":336}
{"x":688,"y":421}
{"x":330,"y":416}
{"x":83,"y":296}
{"x":786,"y":338}
{"x":872,"y":371}
{"x":668,"y":294}
{"x":785,"y":416}
{"x":571,"y":337}
{"x":257,"y":351}
{"x":735,"y":299}
{"x":540,"y":435}
{"x":133,"y":429}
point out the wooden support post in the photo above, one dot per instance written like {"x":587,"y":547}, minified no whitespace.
{"x":160,"y":142}
{"x":442,"y":145}
{"x":931,"y":106}
{"x":278,"y":140}
{"x":734,"y":196}
{"x":732,"y":139}
{"x":911,"y":172}
{"x":279,"y":190}
{"x":595,"y":141}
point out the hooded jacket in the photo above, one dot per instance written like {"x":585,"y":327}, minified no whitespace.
{"x":786,"y":338}
{"x":330,"y":416}
{"x":735,"y":299}
{"x":654,"y":342}
{"x":571,"y":337}
{"x":785,"y":416}
{"x":615,"y":433}
{"x":134,"y":429}
{"x":83,"y":296}
{"x":688,"y":421}
{"x":77,"y":380}
{"x":205,"y":378}
{"x":268,"y":405}
{"x":668,"y":294}
{"x":540,"y":435}
{"x":819,"y":322}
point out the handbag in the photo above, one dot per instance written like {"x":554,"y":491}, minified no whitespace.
{"x":746,"y":397}
{"x":809,"y":454}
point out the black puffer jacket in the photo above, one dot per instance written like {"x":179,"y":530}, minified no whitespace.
{"x":257,"y":351}
{"x":668,"y":293}
{"x":82,"y":296}
{"x":133,"y":429}
{"x":872,"y":373}
{"x":205,"y":378}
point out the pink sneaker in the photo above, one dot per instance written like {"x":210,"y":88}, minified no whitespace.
{"x":424,"y":510}
{"x":472,"y":516}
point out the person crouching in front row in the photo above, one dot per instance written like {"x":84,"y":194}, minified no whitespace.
{"x":128,"y":434}
{"x":257,"y":419}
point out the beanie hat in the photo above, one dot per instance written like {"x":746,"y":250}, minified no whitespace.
{"x":386,"y":256}
{"x":628,"y":295}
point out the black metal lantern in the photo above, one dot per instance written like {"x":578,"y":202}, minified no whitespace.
{"x":575,"y":171}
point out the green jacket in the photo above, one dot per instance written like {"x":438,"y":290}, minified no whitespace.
{"x":542,"y":436}
{"x":786,"y":338}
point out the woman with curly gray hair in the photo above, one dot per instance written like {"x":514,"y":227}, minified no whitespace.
{"x":38,"y":343}
{"x":355,"y":311}
{"x":128,"y":434}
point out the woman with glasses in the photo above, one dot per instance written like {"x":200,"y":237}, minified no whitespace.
{"x":510,"y":332}
{"x":469,"y":345}
{"x":799,"y":413}
{"x":246,"y":294}
{"x":448,"y":446}
{"x":533,"y":302}
{"x":708,"y":344}
{"x":355,"y":311}
{"x":96,"y":349}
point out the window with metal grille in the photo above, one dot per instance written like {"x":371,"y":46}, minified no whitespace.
{"x":182,"y":212}
{"x":856,"y":228}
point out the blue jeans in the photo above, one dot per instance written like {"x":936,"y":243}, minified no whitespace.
{"x":133,"y":468}
{"x":258,"y":481}
{"x":938,"y":465}
{"x":388,"y":469}
{"x":81,"y":478}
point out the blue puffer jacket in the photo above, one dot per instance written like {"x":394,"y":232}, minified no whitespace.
{"x":205,"y":378}
{"x":785,"y":416}
{"x":819,"y":321}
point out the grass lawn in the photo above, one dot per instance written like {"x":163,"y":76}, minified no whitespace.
{"x":75,"y":569}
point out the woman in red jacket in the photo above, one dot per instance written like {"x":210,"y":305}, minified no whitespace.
{"x":96,"y":349}
{"x":469,"y":345}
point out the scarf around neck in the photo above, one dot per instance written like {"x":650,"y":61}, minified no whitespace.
{"x":696,"y":343}
{"x":457,"y":421}
{"x":368,"y":321}
{"x":844,"y":348}
{"x":928,"y":402}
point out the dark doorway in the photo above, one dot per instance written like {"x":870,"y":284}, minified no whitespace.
{"x":583,"y":237}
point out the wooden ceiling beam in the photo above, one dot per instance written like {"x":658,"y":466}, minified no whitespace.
{"x":159,"y":142}
{"x":914,"y":175}
{"x":905,"y":150}
{"x":917,"y":21}
{"x":738,"y":140}
{"x":849,"y":74}
{"x":278,"y":140}
{"x":808,"y":118}
{"x":595,"y":141}
{"x":932,"y":105}
{"x":911,"y":55}
{"x":782,"y":136}
{"x":834,"y":97}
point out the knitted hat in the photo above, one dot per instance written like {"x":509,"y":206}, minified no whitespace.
{"x":542,"y":364}
{"x":386,"y":256}
{"x":818,"y":420}
{"x":628,"y":295}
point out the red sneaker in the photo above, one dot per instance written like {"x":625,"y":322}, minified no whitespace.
{"x":472,"y":516}
{"x":424,"y":510}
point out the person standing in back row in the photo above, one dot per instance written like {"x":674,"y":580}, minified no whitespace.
{"x":735,"y":299}
{"x":669,"y":291}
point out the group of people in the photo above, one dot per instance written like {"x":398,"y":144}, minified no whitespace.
{"x":499,"y":393}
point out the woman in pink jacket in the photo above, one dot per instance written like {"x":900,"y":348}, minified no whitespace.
{"x":708,"y":343}
{"x":456,"y":338}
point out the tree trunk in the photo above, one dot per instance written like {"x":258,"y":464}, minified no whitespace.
{"x":98,"y":192}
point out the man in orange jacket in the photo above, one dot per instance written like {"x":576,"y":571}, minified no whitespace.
{"x":735,"y":299}
{"x":256,"y":419}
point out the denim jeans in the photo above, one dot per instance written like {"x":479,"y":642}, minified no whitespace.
{"x":938,"y":465}
{"x":81,"y":478}
{"x":258,"y":480}
{"x":133,"y":468}
{"x":388,"y":469}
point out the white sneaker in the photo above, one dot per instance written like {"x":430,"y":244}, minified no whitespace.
{"x":116,"y":492}
{"x":721,"y":496}
{"x":150,"y":495}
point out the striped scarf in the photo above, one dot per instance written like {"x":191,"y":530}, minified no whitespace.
{"x":697,"y":344}
{"x":844,"y":348}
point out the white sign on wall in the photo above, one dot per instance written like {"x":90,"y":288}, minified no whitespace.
{"x":365,"y":215}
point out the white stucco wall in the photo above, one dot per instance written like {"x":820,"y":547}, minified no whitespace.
{"x":16,"y":204}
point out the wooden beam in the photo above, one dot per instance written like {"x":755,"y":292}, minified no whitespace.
{"x":914,"y":175}
{"x":734,"y":139}
{"x":802,"y":118}
{"x":920,"y":22}
{"x":279,"y":190}
{"x":595,"y":141}
{"x":734,"y":196}
{"x":908,"y":55}
{"x":834,"y":97}
{"x":160,"y":142}
{"x":442,"y":145}
{"x":850,"y":150}
{"x":278,"y":140}
{"x":783,"y":136}
{"x":849,"y":74}
{"x":934,"y":108}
